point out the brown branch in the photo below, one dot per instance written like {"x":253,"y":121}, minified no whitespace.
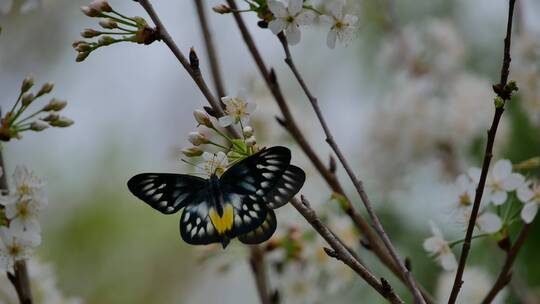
{"x":357,"y":183}
{"x":19,"y":279}
{"x":341,"y":253}
{"x":504,"y":92}
{"x":257,"y":263}
{"x":211,"y":51}
{"x":291,"y":126}
{"x":505,"y":275}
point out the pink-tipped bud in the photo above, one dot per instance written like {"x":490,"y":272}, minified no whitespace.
{"x":39,"y":125}
{"x":51,"y":117}
{"x":108,"y":24}
{"x":54,"y":105}
{"x":27,"y":98}
{"x":251,"y":141}
{"x":46,"y":89}
{"x":202,"y":118}
{"x":101,"y":5}
{"x":106,"y":40}
{"x":62,"y":122}
{"x":222,"y":9}
{"x":248,"y":131}
{"x":90,"y":11}
{"x":27,"y":83}
{"x":90,"y":33}
{"x":81,"y":56}
{"x":197,"y":138}
{"x":192,"y":151}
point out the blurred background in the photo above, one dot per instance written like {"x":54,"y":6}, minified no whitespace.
{"x":409,"y":109}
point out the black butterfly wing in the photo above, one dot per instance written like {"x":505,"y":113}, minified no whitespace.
{"x":166,"y":192}
{"x":246,"y":184}
{"x":261,"y":233}
{"x":290,"y":183}
{"x":196,"y":227}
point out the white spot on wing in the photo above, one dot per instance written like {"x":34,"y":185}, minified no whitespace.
{"x":186,"y":218}
{"x":256,"y":207}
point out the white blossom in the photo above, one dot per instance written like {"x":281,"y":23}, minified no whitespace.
{"x":23,"y":215}
{"x":213,"y":163}
{"x":341,"y":26}
{"x":499,"y":182}
{"x":438,"y":246}
{"x":15,"y":246}
{"x":486,"y":221}
{"x":529,"y":194}
{"x":27,"y":187}
{"x":237,"y":109}
{"x":289,"y":19}
{"x":466,"y":192}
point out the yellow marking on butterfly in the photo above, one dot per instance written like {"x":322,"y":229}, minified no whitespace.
{"x":222,"y":223}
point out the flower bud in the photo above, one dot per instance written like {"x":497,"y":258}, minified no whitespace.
{"x":197,"y":138}
{"x":222,"y":9}
{"x":90,"y":11}
{"x":27,"y":98}
{"x":248,"y":131}
{"x":51,"y":117}
{"x":76,"y":43}
{"x":101,"y":5}
{"x":39,"y":125}
{"x":108,"y":24}
{"x":46,"y":89}
{"x":54,"y":105}
{"x":62,"y":122}
{"x":90,"y":33}
{"x":140,"y":21}
{"x":202,"y":118}
{"x":106,"y":40}
{"x":192,"y":151}
{"x":27,"y":83}
{"x":83,"y":47}
{"x":81,"y":56}
{"x":251,"y":141}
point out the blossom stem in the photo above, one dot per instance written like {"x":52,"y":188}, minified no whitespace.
{"x":30,"y":116}
{"x":16,"y":102}
{"x":123,"y":16}
{"x":134,"y":24}
{"x":311,"y":8}
{"x":453,"y":243}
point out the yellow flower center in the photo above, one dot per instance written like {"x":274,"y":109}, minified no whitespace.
{"x":24,"y":189}
{"x":464,"y":199}
{"x":14,"y":250}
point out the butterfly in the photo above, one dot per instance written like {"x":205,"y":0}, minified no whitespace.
{"x":239,"y":204}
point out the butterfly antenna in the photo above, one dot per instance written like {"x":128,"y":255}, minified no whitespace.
{"x":193,"y":164}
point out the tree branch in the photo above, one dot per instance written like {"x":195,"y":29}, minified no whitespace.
{"x":20,"y":279}
{"x":210,"y":49}
{"x":505,"y":94}
{"x":357,"y":183}
{"x":505,"y":275}
{"x":341,"y":253}
{"x":258,"y":267}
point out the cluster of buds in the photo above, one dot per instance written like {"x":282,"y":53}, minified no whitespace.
{"x":115,"y":28}
{"x":214,"y":133}
{"x":13,"y":123}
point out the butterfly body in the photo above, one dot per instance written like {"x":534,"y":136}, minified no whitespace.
{"x":237,"y":204}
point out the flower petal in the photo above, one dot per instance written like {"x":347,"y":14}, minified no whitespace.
{"x":293,"y":34}
{"x":433,"y":244}
{"x":489,"y":222}
{"x":295,"y":6}
{"x":225,"y":121}
{"x":474,"y":174}
{"x":524,"y":193}
{"x":499,"y":197}
{"x":277,"y":8}
{"x":448,"y":261}
{"x":350,"y":19}
{"x":305,"y":18}
{"x":513,"y":182}
{"x":529,"y":212}
{"x":502,"y":169}
{"x":327,"y":20}
{"x":331,"y":39}
{"x":276,"y":26}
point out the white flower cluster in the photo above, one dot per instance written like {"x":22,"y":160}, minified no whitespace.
{"x":288,"y":19}
{"x":237,"y":116}
{"x":497,"y":208}
{"x":21,"y":209}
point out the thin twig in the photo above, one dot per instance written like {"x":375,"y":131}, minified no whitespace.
{"x":291,"y":126}
{"x":357,"y":183}
{"x":505,"y":275}
{"x":19,"y":279}
{"x":341,"y":253}
{"x":257,"y":263}
{"x":492,"y":132}
{"x":211,"y":51}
